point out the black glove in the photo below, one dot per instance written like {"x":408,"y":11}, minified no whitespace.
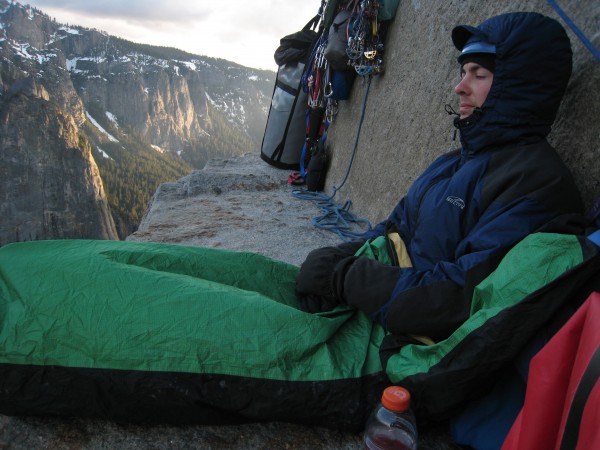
{"x":317,"y":282}
{"x":314,"y":282}
{"x":312,"y":303}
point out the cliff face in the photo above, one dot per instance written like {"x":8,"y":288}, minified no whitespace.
{"x":171,"y":103}
{"x":50,"y":185}
{"x":84,"y":113}
{"x":167,"y":95}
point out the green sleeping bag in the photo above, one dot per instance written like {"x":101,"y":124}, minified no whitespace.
{"x":164,"y":333}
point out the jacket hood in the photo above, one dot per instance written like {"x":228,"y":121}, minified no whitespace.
{"x":532,"y":69}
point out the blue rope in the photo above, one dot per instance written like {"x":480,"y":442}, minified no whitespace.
{"x":575,"y":29}
{"x":335,"y":218}
{"x":338,"y":218}
{"x":360,"y":122}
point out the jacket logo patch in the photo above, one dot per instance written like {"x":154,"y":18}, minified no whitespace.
{"x":456,"y":201}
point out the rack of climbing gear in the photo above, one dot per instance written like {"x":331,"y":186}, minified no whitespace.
{"x":365,"y":38}
{"x":350,"y":43}
{"x":360,"y":25}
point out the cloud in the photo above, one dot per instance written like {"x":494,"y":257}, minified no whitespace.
{"x":242,"y":31}
{"x":152,"y":10}
{"x":267,"y":15}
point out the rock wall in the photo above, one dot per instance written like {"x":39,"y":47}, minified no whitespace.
{"x":50,"y":184}
{"x":67,"y":91}
{"x":405,"y":125}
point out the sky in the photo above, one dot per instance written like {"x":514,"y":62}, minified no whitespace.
{"x":242,"y":31}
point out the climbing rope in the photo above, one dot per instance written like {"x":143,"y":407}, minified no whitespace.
{"x":335,"y":217}
{"x":575,"y":29}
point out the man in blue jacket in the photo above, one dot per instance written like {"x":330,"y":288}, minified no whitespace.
{"x":471,"y":206}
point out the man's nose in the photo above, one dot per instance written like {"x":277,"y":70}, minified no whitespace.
{"x":461,"y":87}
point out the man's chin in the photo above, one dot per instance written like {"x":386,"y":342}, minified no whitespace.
{"x":465,"y":112}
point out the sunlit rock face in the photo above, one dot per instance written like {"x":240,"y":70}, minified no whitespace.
{"x":67,"y":93}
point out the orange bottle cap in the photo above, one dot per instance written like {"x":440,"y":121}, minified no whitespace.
{"x":396,"y":398}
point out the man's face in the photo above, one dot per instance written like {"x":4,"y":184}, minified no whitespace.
{"x":473,"y":88}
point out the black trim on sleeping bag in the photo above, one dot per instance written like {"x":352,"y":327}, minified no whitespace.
{"x":185,"y":398}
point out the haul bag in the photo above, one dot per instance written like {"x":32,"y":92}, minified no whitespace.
{"x":285,"y":131}
{"x":150,"y":332}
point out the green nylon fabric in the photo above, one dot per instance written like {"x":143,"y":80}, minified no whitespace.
{"x":159,"y":307}
{"x":536,"y":261}
{"x":375,"y":249}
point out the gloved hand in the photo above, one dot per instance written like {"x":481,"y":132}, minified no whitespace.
{"x":314,"y":282}
{"x":313,"y":304}
{"x":318,"y":285}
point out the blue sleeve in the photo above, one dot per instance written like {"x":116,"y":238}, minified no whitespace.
{"x":437,"y":301}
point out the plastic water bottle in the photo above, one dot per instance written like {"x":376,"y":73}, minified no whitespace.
{"x":392,"y":425}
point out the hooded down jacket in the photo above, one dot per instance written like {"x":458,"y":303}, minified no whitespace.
{"x":472,"y":205}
